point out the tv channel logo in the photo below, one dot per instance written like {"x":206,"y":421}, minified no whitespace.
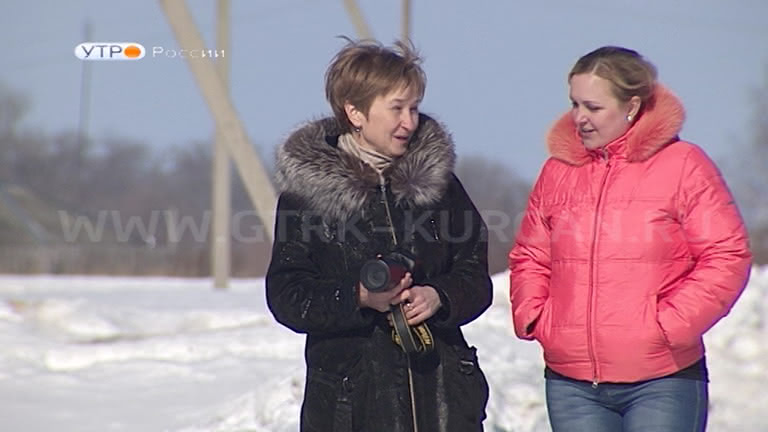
{"x":110,"y":51}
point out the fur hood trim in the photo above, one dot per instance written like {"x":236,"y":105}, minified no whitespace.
{"x":658,"y":125}
{"x":337,"y":185}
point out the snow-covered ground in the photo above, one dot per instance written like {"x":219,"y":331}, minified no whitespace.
{"x":98,"y":354}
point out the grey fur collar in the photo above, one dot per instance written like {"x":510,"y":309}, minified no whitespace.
{"x":337,"y":185}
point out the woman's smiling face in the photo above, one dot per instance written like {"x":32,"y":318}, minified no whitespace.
{"x":390,"y":122}
{"x":599,"y":116}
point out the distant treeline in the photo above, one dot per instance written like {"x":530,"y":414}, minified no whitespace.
{"x":115,"y":206}
{"x":119,"y":208}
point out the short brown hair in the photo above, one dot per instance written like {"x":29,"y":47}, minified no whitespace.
{"x":365,"y":69}
{"x":629,"y":73}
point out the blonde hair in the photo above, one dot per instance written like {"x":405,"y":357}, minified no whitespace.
{"x":629,"y":73}
{"x":365,"y":69}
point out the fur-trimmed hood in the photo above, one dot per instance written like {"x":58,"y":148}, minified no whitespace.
{"x":657,"y":126}
{"x":337,"y":185}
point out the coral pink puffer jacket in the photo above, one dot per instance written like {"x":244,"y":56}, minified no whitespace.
{"x":627,"y":255}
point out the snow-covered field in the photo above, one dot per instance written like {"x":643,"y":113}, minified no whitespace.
{"x":98,"y":354}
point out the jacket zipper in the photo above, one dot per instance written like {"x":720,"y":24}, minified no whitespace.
{"x":383,"y":188}
{"x":590,"y":295}
{"x":411,"y":390}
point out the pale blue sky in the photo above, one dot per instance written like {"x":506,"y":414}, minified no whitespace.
{"x":496,"y":69}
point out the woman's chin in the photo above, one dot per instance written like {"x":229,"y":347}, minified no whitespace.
{"x":592,"y":144}
{"x":398,"y":150}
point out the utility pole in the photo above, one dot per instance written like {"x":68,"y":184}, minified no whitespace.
{"x":361,"y":27}
{"x":353,"y":10}
{"x":221,"y":201}
{"x":83,"y":115}
{"x":228,"y":124}
{"x":406,"y":20}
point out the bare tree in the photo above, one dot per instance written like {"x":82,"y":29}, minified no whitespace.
{"x":747,"y":174}
{"x":13,"y":107}
{"x":758,"y":186}
{"x":501,"y":196}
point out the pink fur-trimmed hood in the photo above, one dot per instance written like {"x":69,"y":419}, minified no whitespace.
{"x":657,"y":126}
{"x":627,"y":256}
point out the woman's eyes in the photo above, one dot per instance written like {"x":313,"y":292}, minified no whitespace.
{"x":411,"y":109}
{"x":591,"y":108}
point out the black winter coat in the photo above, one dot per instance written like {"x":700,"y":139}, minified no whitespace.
{"x":333,"y":215}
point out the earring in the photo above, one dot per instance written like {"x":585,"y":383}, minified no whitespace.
{"x":356,"y":129}
{"x":629,"y":118}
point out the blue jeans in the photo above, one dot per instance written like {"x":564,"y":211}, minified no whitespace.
{"x":658,"y":405}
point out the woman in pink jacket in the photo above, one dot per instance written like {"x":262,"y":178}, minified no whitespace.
{"x":630,"y":249}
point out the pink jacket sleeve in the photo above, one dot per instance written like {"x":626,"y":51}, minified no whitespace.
{"x":718,"y":241}
{"x":529,"y":265}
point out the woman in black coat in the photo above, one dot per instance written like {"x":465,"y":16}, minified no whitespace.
{"x":378,"y":178}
